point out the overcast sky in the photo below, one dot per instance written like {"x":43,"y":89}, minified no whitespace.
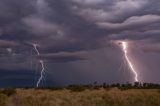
{"x":76,"y":40}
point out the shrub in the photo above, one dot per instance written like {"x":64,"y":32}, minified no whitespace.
{"x":49,"y":88}
{"x":123,"y":88}
{"x":158,"y":91}
{"x":8,"y":91}
{"x":76,"y":88}
{"x":3,"y":99}
{"x":54,"y":88}
{"x":28,"y":101}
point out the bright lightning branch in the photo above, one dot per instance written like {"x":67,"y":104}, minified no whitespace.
{"x":125,"y":50}
{"x":42,"y":65}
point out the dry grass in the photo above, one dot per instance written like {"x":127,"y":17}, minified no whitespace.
{"x":101,"y":97}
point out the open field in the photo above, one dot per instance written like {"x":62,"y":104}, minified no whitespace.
{"x":65,"y":97}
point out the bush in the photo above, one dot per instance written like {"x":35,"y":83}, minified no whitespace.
{"x":49,"y":88}
{"x":28,"y":101}
{"x":76,"y":88}
{"x":158,"y":91}
{"x":123,"y":88}
{"x":3,"y":99}
{"x":8,"y":91}
{"x":54,"y":88}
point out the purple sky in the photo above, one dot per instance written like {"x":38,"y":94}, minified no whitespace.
{"x":76,"y":39}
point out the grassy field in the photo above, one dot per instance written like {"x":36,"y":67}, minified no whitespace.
{"x":65,"y":97}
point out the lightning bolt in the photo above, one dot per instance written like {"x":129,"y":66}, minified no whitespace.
{"x":35,"y":47}
{"x":125,"y":50}
{"x":42,"y":65}
{"x":42,"y":72}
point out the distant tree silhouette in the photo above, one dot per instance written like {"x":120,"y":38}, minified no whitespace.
{"x":136,"y":84}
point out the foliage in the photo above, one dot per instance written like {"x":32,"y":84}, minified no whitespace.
{"x":136,"y":94}
{"x":3,"y":99}
{"x":8,"y":91}
{"x":85,"y":95}
{"x":76,"y":88}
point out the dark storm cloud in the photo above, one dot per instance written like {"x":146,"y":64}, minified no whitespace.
{"x":120,"y":15}
{"x":12,"y":11}
{"x":74,"y":22}
{"x":74,"y":25}
{"x":7,"y":43}
{"x":6,"y":74}
{"x":17,"y":78}
{"x":63,"y":57}
{"x":132,"y":23}
{"x":106,"y":10}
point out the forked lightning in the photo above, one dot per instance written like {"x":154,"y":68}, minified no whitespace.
{"x":42,"y":65}
{"x":125,"y":50}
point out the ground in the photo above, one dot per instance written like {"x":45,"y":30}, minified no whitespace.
{"x":95,"y":97}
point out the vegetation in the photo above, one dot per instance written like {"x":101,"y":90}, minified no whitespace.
{"x":8,"y":91}
{"x":136,"y":94}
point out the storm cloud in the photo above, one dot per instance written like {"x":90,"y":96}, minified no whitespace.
{"x":67,"y":31}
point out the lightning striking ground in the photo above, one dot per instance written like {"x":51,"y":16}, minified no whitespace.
{"x":125,"y":50}
{"x":42,"y":65}
{"x":42,"y":71}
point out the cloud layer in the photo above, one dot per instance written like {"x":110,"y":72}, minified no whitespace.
{"x":67,"y":30}
{"x":72,"y":26}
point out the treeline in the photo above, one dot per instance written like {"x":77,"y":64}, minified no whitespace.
{"x":136,"y":85}
{"x":96,"y":86}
